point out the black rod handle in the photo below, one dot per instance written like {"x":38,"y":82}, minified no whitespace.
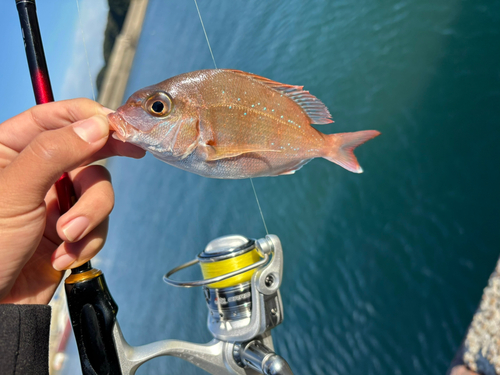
{"x":93,"y":315}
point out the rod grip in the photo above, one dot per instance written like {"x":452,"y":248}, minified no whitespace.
{"x":93,"y":315}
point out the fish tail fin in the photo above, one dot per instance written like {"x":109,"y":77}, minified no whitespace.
{"x":340,"y":147}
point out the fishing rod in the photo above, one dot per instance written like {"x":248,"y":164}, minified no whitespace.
{"x":64,"y":187}
{"x":241,"y":285}
{"x":87,"y":335}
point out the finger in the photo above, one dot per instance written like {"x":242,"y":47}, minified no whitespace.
{"x":52,"y":215}
{"x":71,"y":255}
{"x":114,"y":147}
{"x":20,"y":130}
{"x":25,"y":182}
{"x":93,"y":186}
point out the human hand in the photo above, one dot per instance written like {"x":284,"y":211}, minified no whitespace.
{"x":36,"y":148}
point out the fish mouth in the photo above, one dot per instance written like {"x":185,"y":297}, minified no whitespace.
{"x":119,"y":125}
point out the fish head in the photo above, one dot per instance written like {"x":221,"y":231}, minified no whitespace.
{"x":151,"y":117}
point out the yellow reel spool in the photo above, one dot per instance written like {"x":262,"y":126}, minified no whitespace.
{"x":212,"y":269}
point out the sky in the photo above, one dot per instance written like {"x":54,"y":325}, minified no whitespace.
{"x":61,"y":28}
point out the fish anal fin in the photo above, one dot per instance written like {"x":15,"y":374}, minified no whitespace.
{"x":295,"y":168}
{"x":225,"y":152}
{"x":312,"y":106}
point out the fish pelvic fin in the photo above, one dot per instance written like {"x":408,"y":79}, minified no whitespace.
{"x":340,"y":147}
{"x":312,"y":106}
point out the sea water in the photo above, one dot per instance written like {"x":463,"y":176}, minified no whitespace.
{"x":383,"y":270}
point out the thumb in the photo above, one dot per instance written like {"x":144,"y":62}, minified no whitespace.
{"x":25,"y":182}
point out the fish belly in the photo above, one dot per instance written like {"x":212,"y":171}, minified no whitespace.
{"x":243,"y":166}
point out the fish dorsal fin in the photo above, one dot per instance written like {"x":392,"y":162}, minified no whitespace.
{"x":312,"y":106}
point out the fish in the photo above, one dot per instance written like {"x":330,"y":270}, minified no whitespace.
{"x":229,"y":124}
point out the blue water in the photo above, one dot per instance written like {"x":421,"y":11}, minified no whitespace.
{"x":383,"y":271}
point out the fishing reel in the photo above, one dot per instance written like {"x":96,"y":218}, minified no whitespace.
{"x":241,"y":287}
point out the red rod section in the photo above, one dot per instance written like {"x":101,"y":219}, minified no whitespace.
{"x":41,"y":84}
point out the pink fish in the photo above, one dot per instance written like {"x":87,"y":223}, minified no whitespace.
{"x":231,"y":124}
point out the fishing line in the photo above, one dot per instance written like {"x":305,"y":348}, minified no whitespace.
{"x":258,"y":204}
{"x":85,"y":47}
{"x":213,"y":269}
{"x":206,"y":36}
{"x":213,"y":59}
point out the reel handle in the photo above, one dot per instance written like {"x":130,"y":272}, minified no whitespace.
{"x":93,"y":315}
{"x":259,"y":357}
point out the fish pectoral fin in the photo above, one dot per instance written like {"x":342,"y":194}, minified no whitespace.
{"x":180,"y":147}
{"x":225,"y":152}
{"x":186,"y":153}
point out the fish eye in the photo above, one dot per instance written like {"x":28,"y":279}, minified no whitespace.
{"x":159,"y":104}
{"x":157,"y":107}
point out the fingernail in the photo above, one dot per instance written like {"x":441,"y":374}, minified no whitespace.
{"x":75,"y":228}
{"x":92,"y":129}
{"x":107,"y":111}
{"x":63,"y":262}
